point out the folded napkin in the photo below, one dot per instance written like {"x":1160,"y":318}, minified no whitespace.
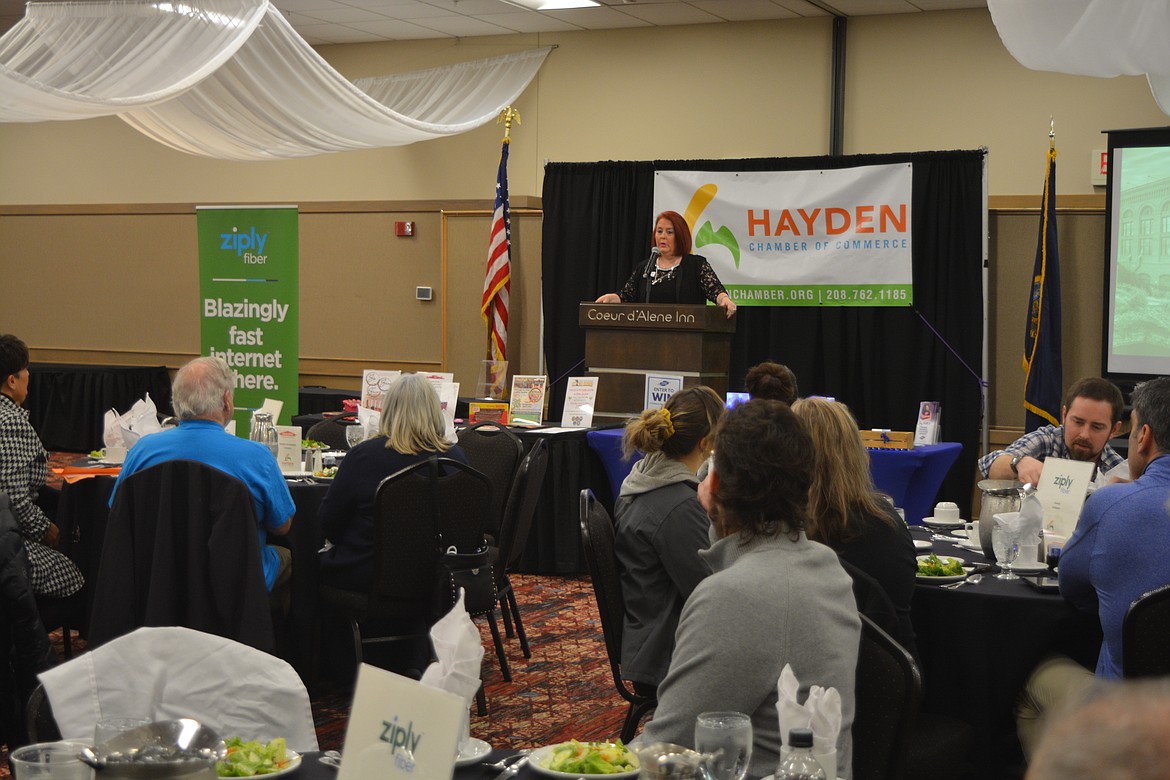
{"x":1026,"y":526}
{"x":821,"y":711}
{"x":460,"y":652}
{"x":124,"y":430}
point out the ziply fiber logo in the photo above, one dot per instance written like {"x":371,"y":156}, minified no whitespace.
{"x":706,"y":234}
{"x":243,"y":242}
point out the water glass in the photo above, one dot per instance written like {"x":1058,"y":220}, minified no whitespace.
{"x":355,"y":434}
{"x":108,"y":728}
{"x":727,"y":739}
{"x":50,"y":761}
{"x":1006,"y":549}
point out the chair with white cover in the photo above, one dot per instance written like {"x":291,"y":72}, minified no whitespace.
{"x":170,"y":672}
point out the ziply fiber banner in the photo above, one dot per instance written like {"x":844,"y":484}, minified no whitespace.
{"x":249,"y":293}
{"x":800,"y":238}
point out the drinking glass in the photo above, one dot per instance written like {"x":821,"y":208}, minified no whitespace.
{"x":1006,"y":549}
{"x":108,"y":728}
{"x":50,"y":761}
{"x":354,"y":434}
{"x":727,"y":737}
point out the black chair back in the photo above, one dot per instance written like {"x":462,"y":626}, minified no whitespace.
{"x":887,"y":694}
{"x":1145,"y":635}
{"x":495,"y":452}
{"x":182,"y":549}
{"x":597,"y":534}
{"x":521,"y":507}
{"x":331,"y":431}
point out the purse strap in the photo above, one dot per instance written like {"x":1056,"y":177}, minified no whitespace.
{"x":433,"y":479}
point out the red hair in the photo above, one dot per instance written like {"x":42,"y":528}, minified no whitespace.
{"x":682,"y":231}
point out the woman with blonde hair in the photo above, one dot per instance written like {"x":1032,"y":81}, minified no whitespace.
{"x":411,"y":428}
{"x":848,"y":514}
{"x":661,"y":527}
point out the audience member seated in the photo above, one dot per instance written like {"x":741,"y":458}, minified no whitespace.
{"x":1122,"y":733}
{"x":848,"y":514}
{"x":202,"y":397}
{"x":1090,"y":417}
{"x":1115,"y":555}
{"x":24,"y":466}
{"x":772,"y":380}
{"x":661,"y":527}
{"x":773,"y":597}
{"x":410,"y":430}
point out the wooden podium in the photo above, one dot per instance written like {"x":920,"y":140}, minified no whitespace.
{"x":626,"y":341}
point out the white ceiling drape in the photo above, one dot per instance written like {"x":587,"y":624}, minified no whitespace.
{"x":231,"y":79}
{"x":1090,"y":38}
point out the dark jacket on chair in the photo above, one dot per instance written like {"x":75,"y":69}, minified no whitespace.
{"x":181,"y":550}
{"x":24,"y":645}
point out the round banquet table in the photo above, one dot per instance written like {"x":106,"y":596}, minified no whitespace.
{"x":312,"y":769}
{"x":978,"y":644}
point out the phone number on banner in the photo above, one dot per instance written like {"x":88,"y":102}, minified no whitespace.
{"x":822,"y":294}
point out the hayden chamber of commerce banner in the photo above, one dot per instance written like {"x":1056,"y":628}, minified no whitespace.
{"x":800,"y":238}
{"x":249,"y":292}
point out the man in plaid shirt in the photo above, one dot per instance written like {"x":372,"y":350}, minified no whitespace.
{"x":24,"y":465}
{"x":1091,"y":417}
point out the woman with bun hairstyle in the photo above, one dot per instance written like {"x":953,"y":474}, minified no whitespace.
{"x":771,"y":380}
{"x":661,"y":527}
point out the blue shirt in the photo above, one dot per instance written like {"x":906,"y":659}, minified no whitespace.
{"x":1117,"y":554}
{"x":250,"y":462}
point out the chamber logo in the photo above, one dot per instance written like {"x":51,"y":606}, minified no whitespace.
{"x":706,"y":234}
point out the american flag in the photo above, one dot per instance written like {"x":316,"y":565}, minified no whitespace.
{"x":496,"y":282}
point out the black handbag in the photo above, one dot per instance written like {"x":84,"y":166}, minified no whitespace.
{"x":467,"y":569}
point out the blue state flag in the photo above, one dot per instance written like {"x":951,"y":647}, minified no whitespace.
{"x":1042,"y":363}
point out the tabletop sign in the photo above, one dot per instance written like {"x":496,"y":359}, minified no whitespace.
{"x":288,"y":447}
{"x":375,"y":383}
{"x":400,"y":729}
{"x":659,"y":389}
{"x":580,"y":397}
{"x":526,"y":405}
{"x":929,"y":422}
{"x":1061,"y":490}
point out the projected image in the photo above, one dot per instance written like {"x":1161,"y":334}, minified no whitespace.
{"x":1139,"y":337}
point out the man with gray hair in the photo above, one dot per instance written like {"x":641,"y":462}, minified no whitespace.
{"x":202,"y":398}
{"x":1115,"y":555}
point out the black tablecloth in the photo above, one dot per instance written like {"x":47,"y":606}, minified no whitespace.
{"x":67,"y":403}
{"x":312,"y":769}
{"x":979,"y":643}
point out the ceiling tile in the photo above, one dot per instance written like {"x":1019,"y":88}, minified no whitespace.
{"x":461,"y":26}
{"x":528,"y":22}
{"x":597,"y":18}
{"x":397,"y":30}
{"x":665,"y":14}
{"x":745,"y":10}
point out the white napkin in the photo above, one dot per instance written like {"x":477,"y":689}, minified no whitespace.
{"x":460,"y":652}
{"x":1026,"y":525}
{"x":125,"y":430}
{"x":821,"y":711}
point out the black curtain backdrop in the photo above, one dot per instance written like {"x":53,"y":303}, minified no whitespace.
{"x":880,"y":361}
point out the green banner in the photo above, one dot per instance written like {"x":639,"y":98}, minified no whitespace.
{"x":821,"y":294}
{"x":249,"y":295}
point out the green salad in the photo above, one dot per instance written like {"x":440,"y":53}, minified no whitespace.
{"x":248,"y":759}
{"x":933,"y":566}
{"x":313,"y":444}
{"x":591,"y":758}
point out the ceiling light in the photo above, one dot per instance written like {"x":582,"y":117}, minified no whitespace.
{"x":551,"y":5}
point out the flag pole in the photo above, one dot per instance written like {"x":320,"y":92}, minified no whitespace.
{"x":507,"y":116}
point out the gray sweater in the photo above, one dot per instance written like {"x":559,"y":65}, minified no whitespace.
{"x":768,"y":603}
{"x":660,"y":529}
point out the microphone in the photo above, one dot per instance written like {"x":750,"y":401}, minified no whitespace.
{"x":651,"y":263}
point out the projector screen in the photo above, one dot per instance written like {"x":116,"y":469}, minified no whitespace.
{"x":1136,"y":339}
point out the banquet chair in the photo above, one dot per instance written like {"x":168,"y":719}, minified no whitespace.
{"x":597,"y":536}
{"x":182,"y":549}
{"x":331,"y":430}
{"x":404,"y":599}
{"x":518,"y":515}
{"x":887,"y":694}
{"x":495,"y":452}
{"x":1145,"y":635}
{"x":168,"y":672}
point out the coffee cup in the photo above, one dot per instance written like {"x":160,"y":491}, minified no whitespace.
{"x":946,"y":510}
{"x":973,"y":533}
{"x":115,"y":454}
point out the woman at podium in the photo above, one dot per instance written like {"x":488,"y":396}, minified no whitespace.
{"x":673,"y":274}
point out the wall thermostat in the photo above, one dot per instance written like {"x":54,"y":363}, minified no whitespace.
{"x":423,"y":293}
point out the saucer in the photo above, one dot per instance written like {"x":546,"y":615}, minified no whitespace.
{"x":971,"y":545}
{"x":941,"y":523}
{"x":473,"y":750}
{"x":922,"y":544}
{"x":1027,"y":567}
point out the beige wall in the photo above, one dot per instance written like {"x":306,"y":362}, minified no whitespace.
{"x":914,"y":82}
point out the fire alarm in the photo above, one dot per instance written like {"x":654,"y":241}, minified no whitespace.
{"x":404,"y":229}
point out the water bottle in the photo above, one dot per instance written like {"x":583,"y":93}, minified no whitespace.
{"x":264,"y":431}
{"x":800,"y":764}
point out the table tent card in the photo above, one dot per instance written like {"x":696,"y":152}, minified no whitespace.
{"x":288,"y":448}
{"x":526,"y":406}
{"x":580,"y":397}
{"x":1062,"y":489}
{"x":929,"y":423}
{"x":659,"y":389}
{"x":400,"y":729}
{"x":375,"y":383}
{"x":492,"y":381}
{"x":448,"y":400}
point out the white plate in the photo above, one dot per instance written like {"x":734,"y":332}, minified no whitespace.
{"x":473,"y":751}
{"x":922,"y":544}
{"x":539,"y":757}
{"x":943,"y":558}
{"x":970,"y":545}
{"x":944,"y":580}
{"x":294,"y":760}
{"x":1026,"y":567}
{"x":960,"y":532}
{"x":939,"y":523}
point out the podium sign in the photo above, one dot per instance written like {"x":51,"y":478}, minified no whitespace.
{"x":624,"y":342}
